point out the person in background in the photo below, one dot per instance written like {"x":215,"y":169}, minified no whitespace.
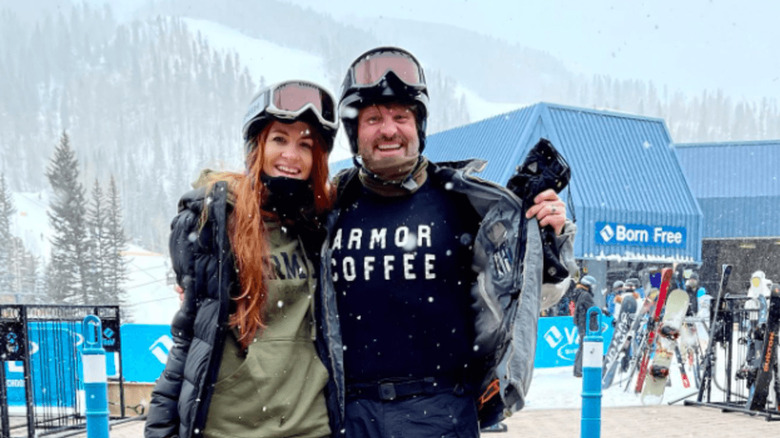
{"x":633,"y":286}
{"x":423,"y":268}
{"x":609,"y":299}
{"x":584,"y":300}
{"x":694,"y":292}
{"x":244,"y":248}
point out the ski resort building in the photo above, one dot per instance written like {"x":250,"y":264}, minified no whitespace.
{"x":631,"y":201}
{"x":737,"y":185}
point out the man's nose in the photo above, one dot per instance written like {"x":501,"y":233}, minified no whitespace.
{"x":388,"y":128}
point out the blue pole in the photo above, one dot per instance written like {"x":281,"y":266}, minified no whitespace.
{"x":93,"y":359}
{"x":592,"y":356}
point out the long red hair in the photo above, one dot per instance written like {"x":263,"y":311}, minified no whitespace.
{"x":247,"y":232}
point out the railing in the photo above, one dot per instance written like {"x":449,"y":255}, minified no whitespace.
{"x":41,"y":389}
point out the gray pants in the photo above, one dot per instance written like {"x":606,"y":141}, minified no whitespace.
{"x":578,"y":359}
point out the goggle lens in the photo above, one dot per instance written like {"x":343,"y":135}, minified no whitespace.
{"x":293,"y":97}
{"x":373,"y":68}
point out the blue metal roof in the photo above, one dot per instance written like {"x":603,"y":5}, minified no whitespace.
{"x":623,"y":172}
{"x":737,"y":185}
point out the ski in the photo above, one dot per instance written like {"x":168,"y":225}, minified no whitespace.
{"x":683,"y":374}
{"x":759,"y":390}
{"x":673,"y":314}
{"x":709,"y":354}
{"x":637,"y":341}
{"x":621,"y":338}
{"x":652,"y":327}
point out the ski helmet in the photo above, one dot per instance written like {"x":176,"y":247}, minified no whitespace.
{"x":632,"y":282}
{"x":383,"y":75}
{"x":617,"y":285}
{"x":288,"y":102}
{"x":589,"y":282}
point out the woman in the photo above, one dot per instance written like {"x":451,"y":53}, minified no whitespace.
{"x":244,"y":362}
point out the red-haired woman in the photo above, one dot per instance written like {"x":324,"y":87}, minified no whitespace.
{"x":244,"y":248}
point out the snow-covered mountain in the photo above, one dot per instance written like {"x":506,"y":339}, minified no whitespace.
{"x":257,"y":54}
{"x":152,"y":91}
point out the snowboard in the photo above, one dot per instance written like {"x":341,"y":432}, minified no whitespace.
{"x":669,"y":330}
{"x":759,"y":390}
{"x":620,"y":338}
{"x":652,"y":328}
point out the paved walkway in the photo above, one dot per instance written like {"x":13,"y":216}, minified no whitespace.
{"x":647,"y":422}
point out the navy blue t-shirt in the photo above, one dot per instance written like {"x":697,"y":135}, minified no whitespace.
{"x":402,"y":275}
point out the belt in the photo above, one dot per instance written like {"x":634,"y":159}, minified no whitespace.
{"x":391,"y":389}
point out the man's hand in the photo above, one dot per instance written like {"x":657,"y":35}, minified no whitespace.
{"x":549,"y":210}
{"x":179,"y":290}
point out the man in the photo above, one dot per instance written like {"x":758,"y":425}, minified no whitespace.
{"x":584,"y":293}
{"x":633,"y":286}
{"x":617,"y":289}
{"x":692,"y":289}
{"x":422,"y":270}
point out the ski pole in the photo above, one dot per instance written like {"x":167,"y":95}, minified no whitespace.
{"x":93,"y":358}
{"x":592,"y":356}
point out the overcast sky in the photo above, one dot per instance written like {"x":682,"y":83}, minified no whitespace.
{"x":686,"y":44}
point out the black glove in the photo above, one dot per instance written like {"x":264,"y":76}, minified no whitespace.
{"x":544,"y":168}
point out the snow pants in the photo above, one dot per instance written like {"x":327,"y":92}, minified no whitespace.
{"x":439,"y":415}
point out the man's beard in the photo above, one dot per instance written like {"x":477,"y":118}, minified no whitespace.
{"x":393,"y":168}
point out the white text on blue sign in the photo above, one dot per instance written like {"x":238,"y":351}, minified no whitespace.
{"x":615,"y":233}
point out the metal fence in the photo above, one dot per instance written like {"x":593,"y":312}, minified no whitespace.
{"x":41,"y":388}
{"x":736,"y":347}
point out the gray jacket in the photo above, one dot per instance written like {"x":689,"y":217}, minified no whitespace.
{"x":509,"y":260}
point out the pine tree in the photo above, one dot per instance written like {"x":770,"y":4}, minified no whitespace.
{"x":69,"y":269}
{"x":116,"y":244}
{"x":97,"y":227}
{"x":7,"y":210}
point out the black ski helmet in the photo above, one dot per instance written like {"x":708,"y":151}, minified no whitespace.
{"x":288,"y":102}
{"x":382,"y":75}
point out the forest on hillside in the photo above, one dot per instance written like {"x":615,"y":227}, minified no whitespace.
{"x":151,"y":102}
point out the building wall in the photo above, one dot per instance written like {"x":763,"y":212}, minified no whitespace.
{"x":745,"y":255}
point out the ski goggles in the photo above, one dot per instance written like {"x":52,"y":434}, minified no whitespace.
{"x":289,"y":100}
{"x":373,"y":66}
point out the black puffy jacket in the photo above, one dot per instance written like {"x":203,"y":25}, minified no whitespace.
{"x":204,"y":266}
{"x":584,"y":302}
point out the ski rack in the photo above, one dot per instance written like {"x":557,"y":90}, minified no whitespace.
{"x":730,"y":332}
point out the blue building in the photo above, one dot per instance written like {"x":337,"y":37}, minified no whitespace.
{"x":737,"y":185}
{"x":631,"y":200}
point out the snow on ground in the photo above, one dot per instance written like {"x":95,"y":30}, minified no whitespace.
{"x":30,"y":223}
{"x":271,"y":61}
{"x":480,"y":109}
{"x":557,"y":388}
{"x":151,"y":300}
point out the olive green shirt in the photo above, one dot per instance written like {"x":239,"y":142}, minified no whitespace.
{"x":276,"y":390}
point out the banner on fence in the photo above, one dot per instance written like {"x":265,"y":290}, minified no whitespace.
{"x":558,"y":340}
{"x":55,"y":360}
